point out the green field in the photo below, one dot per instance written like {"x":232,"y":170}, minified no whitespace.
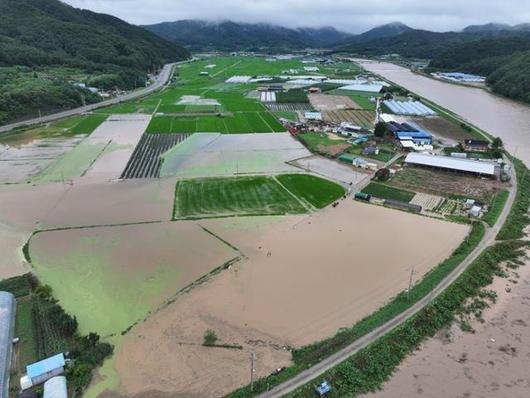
{"x":238,"y":123}
{"x":385,"y":192}
{"x":496,"y":207}
{"x":220,"y":197}
{"x":312,"y":190}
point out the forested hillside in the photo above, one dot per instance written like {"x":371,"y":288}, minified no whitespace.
{"x":39,"y":36}
{"x":234,"y":36}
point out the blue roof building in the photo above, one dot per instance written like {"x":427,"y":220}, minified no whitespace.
{"x":415,"y":136}
{"x":43,"y":370}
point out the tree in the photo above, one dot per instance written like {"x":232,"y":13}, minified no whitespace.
{"x":382,"y":174}
{"x":380,"y":129}
{"x":210,"y":338}
{"x":497,"y":143}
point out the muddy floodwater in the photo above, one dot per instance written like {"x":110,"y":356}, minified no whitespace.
{"x":496,"y":115}
{"x":303,"y":278}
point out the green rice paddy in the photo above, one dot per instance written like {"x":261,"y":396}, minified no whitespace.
{"x":312,"y":190}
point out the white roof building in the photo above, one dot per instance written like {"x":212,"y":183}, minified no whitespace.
{"x":371,"y":88}
{"x":450,"y":163}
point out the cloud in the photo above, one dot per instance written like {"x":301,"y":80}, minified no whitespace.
{"x":349,"y":15}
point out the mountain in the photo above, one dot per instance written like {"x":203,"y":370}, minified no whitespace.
{"x":497,"y":27}
{"x":229,"y":35}
{"x":50,"y":32}
{"x":46,"y":45}
{"x":388,"y":30}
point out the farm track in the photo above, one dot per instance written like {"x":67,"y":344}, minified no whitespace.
{"x":145,"y":161}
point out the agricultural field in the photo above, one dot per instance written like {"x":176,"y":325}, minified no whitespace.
{"x":324,"y":102}
{"x":292,"y":107}
{"x":382,"y":191}
{"x":112,"y":277}
{"x":357,"y":117}
{"x":322,"y":143}
{"x":221,"y":197}
{"x":313,"y":191}
{"x":446,"y":184}
{"x":211,"y":155}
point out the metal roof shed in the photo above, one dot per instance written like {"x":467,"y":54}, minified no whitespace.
{"x":7,"y":326}
{"x":56,"y":388}
{"x":451,"y":163}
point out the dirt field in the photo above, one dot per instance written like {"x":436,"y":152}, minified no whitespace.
{"x":258,"y":297}
{"x":324,"y":102}
{"x":332,"y":169}
{"x":444,"y":183}
{"x":357,"y":117}
{"x":492,"y":362}
{"x":441,"y":128}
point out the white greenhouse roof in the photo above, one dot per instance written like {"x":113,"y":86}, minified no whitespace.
{"x":372,"y":88}
{"x":447,"y":162}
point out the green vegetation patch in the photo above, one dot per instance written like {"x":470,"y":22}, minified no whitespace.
{"x":312,"y":190}
{"x":221,"y":197}
{"x":297,"y":95}
{"x":385,"y":192}
{"x":88,"y":124}
{"x":496,"y":207}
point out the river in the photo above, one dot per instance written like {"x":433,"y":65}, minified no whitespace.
{"x":496,"y":115}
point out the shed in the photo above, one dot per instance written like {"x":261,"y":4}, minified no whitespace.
{"x":7,"y":328}
{"x":476,"y":145}
{"x":371,"y":88}
{"x":451,"y":163}
{"x":403,"y":205}
{"x":475,"y":211}
{"x":43,"y":370}
{"x":56,"y":388}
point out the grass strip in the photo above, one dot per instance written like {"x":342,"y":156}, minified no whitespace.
{"x":496,"y":207}
{"x":518,"y":217}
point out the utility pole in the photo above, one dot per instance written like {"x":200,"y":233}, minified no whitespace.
{"x":410,"y":282}
{"x":252,"y":369}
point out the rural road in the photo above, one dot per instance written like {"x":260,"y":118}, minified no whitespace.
{"x":332,"y":361}
{"x":162,"y":78}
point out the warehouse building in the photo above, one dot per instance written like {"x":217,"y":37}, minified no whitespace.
{"x":7,"y":327}
{"x":476,"y":145}
{"x":457,"y":164}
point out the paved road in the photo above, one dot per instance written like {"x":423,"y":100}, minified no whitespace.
{"x":161,"y":80}
{"x":328,"y":363}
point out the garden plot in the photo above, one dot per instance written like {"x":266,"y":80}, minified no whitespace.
{"x":21,"y":163}
{"x":215,"y":155}
{"x":145,"y":162}
{"x":293,"y":107}
{"x":426,"y":201}
{"x":358,"y":117}
{"x":332,"y":170}
{"x":112,"y":277}
{"x":324,"y":102}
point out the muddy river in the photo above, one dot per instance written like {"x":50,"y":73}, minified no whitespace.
{"x":493,"y":114}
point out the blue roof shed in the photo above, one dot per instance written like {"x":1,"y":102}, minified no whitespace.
{"x":45,"y":366}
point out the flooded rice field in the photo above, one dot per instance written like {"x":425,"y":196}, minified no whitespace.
{"x":332,"y":169}
{"x":495,"y":115}
{"x":304,"y":277}
{"x":212,"y":154}
{"x":20,"y":162}
{"x":112,"y":277}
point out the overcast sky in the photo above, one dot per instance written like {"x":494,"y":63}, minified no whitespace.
{"x":349,"y":15}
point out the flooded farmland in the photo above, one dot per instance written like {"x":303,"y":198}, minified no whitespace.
{"x":495,"y":115}
{"x":304,"y":278}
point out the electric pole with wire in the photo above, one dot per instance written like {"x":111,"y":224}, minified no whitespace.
{"x":252,"y":369}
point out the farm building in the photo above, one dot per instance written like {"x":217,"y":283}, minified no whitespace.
{"x":238,"y":79}
{"x":7,"y":326}
{"x":313,"y":115}
{"x":412,"y":146}
{"x":56,"y":388}
{"x":402,"y":205}
{"x":41,"y":371}
{"x":417,"y":137}
{"x":456,"y":164}
{"x":311,"y":68}
{"x":476,"y":145}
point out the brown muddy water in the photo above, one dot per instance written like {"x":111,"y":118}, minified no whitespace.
{"x":496,"y":115}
